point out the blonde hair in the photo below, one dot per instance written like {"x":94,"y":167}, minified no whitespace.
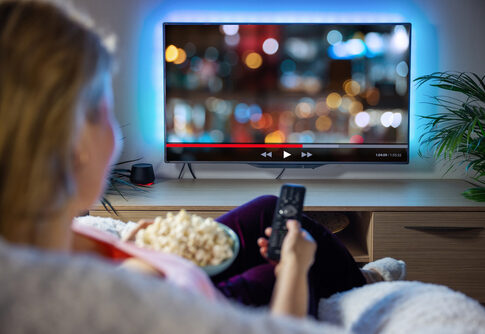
{"x":51,"y":75}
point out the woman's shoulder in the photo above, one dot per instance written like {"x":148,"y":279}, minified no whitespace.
{"x":55,"y":292}
{"x":19,"y":260}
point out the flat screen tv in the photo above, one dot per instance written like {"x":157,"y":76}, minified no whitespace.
{"x":287,"y":94}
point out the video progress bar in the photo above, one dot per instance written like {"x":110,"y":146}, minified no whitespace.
{"x":353,"y":146}
{"x":308,"y":146}
{"x":237,"y":145}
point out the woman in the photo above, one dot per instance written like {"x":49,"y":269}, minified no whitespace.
{"x":251,"y":277}
{"x":58,"y":137}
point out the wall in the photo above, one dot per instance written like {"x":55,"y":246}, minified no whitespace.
{"x":447,"y":35}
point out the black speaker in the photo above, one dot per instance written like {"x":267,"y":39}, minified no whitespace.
{"x":142,"y":174}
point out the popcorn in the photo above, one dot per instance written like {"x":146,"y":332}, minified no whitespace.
{"x":200,"y":240}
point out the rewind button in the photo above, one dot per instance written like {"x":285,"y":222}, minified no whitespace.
{"x":306,"y":154}
{"x":267,"y":154}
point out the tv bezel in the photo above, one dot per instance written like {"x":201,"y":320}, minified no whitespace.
{"x":287,"y":164}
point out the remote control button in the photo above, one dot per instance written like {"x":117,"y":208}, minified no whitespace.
{"x":289,"y":211}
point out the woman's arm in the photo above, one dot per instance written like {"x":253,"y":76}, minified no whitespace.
{"x":290,"y":295}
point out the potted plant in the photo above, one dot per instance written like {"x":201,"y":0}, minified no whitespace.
{"x":456,"y":133}
{"x":118,"y":182}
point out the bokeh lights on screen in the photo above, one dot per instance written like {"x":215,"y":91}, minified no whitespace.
{"x":287,"y":83}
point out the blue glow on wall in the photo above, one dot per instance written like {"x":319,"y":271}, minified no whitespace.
{"x":424,"y":47}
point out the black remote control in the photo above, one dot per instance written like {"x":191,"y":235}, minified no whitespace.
{"x":289,"y":206}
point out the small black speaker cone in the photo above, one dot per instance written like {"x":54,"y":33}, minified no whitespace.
{"x":142,"y":174}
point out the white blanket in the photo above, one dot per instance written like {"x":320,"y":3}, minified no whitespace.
{"x":403,"y":307}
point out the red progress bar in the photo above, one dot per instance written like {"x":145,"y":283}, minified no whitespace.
{"x":238,"y":145}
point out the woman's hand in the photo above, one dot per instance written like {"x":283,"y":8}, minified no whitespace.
{"x":298,"y":248}
{"x":139,"y":266}
{"x":135,"y":264}
{"x":263,"y":245}
{"x":290,"y":294}
{"x":143,"y":223}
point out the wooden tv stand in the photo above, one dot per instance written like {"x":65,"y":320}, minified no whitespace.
{"x":427,"y":223}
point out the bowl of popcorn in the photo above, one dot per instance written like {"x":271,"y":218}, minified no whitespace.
{"x":209,"y":244}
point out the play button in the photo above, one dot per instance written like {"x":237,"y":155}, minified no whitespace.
{"x":286,"y":154}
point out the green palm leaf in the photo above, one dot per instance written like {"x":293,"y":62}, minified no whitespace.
{"x":456,"y":133}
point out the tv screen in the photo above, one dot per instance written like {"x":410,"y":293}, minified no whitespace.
{"x":287,"y":93}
